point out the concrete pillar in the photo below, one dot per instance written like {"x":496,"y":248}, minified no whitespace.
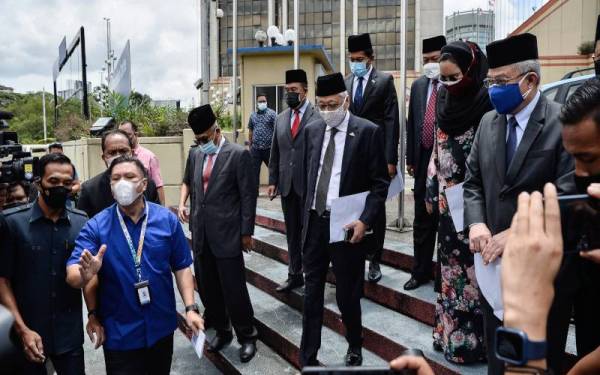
{"x":271,"y":12}
{"x":214,"y":41}
{"x":343,"y":37}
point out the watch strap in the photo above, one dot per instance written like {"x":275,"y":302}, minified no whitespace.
{"x":192,"y":307}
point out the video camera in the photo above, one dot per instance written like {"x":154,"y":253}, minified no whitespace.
{"x":21,"y":166}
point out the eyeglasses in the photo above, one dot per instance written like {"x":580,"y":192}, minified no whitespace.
{"x":489,"y":82}
{"x":204,"y":139}
{"x":330,"y":107}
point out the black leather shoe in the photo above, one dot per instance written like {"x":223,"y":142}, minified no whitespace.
{"x":247,"y":351}
{"x":293,"y":282}
{"x":374,"y":272}
{"x":220,"y":341}
{"x":413,"y":284}
{"x":353,"y":357}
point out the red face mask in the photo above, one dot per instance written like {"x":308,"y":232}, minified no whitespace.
{"x":462,"y":86}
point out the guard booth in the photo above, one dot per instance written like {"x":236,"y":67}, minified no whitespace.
{"x":262,"y":70}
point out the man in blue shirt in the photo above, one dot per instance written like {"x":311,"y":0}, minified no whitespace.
{"x":260,"y":134}
{"x":132,"y":247}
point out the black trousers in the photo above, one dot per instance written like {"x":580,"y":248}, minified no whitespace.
{"x":155,"y":360}
{"x":222,"y":287}
{"x":292,"y":213}
{"x":259,"y":157}
{"x":377,"y":239}
{"x":349,"y":268}
{"x":69,"y":363}
{"x":424,"y":225}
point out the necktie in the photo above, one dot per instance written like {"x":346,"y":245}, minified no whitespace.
{"x":429,"y":120}
{"x":296,"y":124}
{"x":323,"y":184}
{"x":511,"y":142}
{"x":358,"y":95}
{"x":207,"y":171}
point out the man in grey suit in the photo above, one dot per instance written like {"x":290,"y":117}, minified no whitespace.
{"x":223,"y":207}
{"x":344,"y":155}
{"x":286,"y":168}
{"x":420,"y":131}
{"x":518,"y":147}
{"x":373,"y":97}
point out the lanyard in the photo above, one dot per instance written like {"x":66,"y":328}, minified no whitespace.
{"x":137,"y":256}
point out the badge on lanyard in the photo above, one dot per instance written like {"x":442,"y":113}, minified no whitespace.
{"x":142,"y":287}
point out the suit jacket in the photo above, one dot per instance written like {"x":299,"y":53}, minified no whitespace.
{"x":96,"y":194}
{"x":490,"y":194}
{"x":414,"y":126}
{"x":286,"y":166}
{"x":380,"y":106}
{"x":226,"y":211}
{"x":364,"y":167}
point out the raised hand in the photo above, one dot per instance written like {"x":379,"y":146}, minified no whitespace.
{"x":90,"y":264}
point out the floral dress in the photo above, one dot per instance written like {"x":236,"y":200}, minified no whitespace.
{"x":458,"y":329}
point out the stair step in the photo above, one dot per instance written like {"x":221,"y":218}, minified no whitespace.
{"x":395,"y":253}
{"x":386,"y":332}
{"x":270,"y":312}
{"x":418,"y":304}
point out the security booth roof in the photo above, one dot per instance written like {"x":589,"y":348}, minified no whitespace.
{"x":317,"y":51}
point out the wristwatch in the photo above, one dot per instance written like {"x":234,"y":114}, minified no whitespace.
{"x":514,"y":347}
{"x":193,"y":307}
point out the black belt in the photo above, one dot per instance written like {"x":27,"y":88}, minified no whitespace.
{"x":326,"y":215}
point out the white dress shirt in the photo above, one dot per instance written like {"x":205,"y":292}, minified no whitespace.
{"x":336,"y":170}
{"x":364,"y":82}
{"x":522,"y":118}
{"x":430,"y":88}
{"x":221,"y":143}
{"x":301,"y":111}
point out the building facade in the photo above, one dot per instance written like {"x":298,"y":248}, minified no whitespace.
{"x":509,"y":14}
{"x":319,"y":24}
{"x":475,"y":25}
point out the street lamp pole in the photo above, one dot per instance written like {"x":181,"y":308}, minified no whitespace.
{"x":234,"y":72}
{"x":343,"y":37}
{"x":297,"y":30}
{"x":402,"y":105}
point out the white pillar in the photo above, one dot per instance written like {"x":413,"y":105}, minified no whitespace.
{"x":355,"y":17}
{"x":402,"y":105}
{"x":204,"y":48}
{"x":343,"y":37}
{"x":284,"y":15}
{"x":214,"y":42}
{"x":418,"y":37}
{"x":297,"y":30}
{"x":270,"y":12}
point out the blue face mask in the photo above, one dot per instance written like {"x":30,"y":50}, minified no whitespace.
{"x":507,"y":98}
{"x":209,"y":148}
{"x":359,"y":69}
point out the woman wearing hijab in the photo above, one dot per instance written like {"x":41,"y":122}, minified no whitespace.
{"x":462,"y":102}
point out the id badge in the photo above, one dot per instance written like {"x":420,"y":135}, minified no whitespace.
{"x":143,"y":292}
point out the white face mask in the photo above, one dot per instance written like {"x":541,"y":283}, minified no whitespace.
{"x":334,"y":118}
{"x":431,"y":70}
{"x":125,"y":192}
{"x":262,"y":106}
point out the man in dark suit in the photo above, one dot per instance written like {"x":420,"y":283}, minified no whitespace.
{"x":96,"y":194}
{"x":223,"y":207}
{"x":420,"y":131}
{"x":286,"y":168}
{"x":518,"y":147}
{"x":373,"y":97}
{"x":344,"y":155}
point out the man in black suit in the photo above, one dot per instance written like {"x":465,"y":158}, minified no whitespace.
{"x":373,"y":97}
{"x":344,"y":155}
{"x":223,"y":207}
{"x":286,"y":168}
{"x":518,"y":147}
{"x":420,"y":131}
{"x":96,"y":194}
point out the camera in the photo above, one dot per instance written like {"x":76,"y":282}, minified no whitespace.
{"x":20,"y":165}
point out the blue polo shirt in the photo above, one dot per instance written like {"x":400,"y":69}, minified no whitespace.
{"x":127,"y":324}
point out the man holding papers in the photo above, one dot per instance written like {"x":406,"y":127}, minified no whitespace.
{"x":344,"y":156}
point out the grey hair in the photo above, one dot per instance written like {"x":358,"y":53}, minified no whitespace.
{"x":342,"y":95}
{"x":528,"y":66}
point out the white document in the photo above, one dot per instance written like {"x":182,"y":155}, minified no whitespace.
{"x":345,"y":210}
{"x":489,"y":280}
{"x":198,"y":343}
{"x":456,"y":203}
{"x":396,"y":186}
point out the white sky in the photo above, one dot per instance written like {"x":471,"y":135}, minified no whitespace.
{"x":163,"y":40}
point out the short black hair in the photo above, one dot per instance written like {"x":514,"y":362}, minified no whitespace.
{"x":55,"y":145}
{"x":258,"y":95}
{"x":53,"y":158}
{"x":582,"y":104}
{"x":369,"y":52}
{"x":128,"y":159}
{"x":25,"y":185}
{"x":133,"y":125}
{"x":114,"y":132}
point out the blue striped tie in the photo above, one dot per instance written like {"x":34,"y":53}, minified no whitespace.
{"x":358,"y":95}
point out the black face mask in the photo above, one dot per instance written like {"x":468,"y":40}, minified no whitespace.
{"x":56,"y":196}
{"x":597,"y":67}
{"x":292,"y":99}
{"x":582,"y":182}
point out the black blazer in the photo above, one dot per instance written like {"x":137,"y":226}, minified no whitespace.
{"x":96,"y":194}
{"x":226,"y":211}
{"x":491,"y":194}
{"x":364,"y":167}
{"x":380,"y":106}
{"x":286,"y":166}
{"x":417,"y":106}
